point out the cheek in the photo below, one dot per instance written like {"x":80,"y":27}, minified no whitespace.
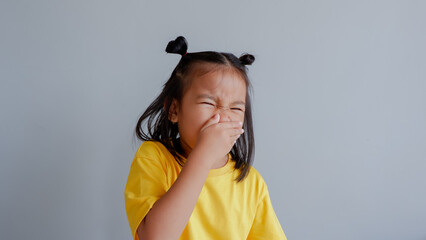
{"x":204,"y":115}
{"x":198,"y":116}
{"x":237,"y":116}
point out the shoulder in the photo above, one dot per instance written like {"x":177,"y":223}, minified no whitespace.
{"x":255,"y":176}
{"x":153,"y":153}
{"x":151,"y":149}
{"x":258,"y":184}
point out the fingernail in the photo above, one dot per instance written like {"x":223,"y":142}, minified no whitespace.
{"x":242,"y":130}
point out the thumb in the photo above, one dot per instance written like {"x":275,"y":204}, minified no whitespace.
{"x":213,"y":120}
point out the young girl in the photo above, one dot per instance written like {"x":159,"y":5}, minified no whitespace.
{"x":192,"y":177}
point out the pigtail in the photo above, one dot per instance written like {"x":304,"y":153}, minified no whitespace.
{"x":177,"y":46}
{"x":247,"y":59}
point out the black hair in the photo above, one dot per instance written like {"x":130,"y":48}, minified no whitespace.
{"x":156,"y":116}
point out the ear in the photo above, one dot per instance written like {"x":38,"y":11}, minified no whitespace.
{"x":173,"y":111}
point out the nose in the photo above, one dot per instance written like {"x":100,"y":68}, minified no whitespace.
{"x":224,"y":114}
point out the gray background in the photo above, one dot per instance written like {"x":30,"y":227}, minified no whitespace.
{"x":339,"y":109}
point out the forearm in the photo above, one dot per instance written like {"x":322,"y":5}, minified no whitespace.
{"x":170,"y":214}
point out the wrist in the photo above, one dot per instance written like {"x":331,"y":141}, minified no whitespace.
{"x":203,"y":159}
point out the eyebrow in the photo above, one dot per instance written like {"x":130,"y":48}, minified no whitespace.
{"x":214,"y":99}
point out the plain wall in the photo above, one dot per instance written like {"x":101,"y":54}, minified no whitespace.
{"x":339,"y":109}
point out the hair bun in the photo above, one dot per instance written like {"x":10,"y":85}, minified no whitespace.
{"x":247,"y":59}
{"x":179,"y":46}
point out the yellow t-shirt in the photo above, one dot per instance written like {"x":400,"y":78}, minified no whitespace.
{"x":225,"y":209}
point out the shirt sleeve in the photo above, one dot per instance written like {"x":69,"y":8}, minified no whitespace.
{"x":146,"y":184}
{"x":266,"y":225}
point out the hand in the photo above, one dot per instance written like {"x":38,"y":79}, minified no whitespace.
{"x":216,"y":138}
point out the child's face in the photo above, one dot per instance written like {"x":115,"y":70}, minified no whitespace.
{"x":221,"y":91}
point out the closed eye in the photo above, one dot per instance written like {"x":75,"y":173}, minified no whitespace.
{"x":208,"y":103}
{"x":238,"y":109}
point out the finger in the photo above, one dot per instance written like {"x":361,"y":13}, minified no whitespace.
{"x":213,"y":120}
{"x":235,"y":124}
{"x":235,"y":133}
